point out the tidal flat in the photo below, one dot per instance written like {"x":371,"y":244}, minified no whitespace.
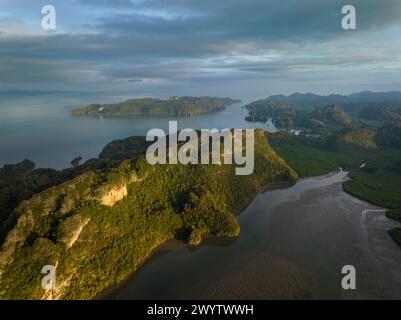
{"x":293,"y":245}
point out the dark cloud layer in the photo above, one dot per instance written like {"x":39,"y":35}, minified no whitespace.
{"x":147,"y":46}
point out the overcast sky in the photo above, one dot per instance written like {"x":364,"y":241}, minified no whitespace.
{"x":238,"y":48}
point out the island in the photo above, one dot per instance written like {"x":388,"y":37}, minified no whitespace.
{"x":174,"y":106}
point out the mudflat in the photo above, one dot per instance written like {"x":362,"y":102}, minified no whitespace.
{"x":309,"y":240}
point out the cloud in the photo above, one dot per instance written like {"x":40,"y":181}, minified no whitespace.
{"x":108,"y":3}
{"x":172,"y":45}
{"x":12,"y":26}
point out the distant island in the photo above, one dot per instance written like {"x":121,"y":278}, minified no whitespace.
{"x":174,"y":106}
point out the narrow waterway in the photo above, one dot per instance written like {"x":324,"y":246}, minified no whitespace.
{"x":293,"y":245}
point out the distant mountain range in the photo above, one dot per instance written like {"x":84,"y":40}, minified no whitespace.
{"x":313,"y":100}
{"x":312,"y":111}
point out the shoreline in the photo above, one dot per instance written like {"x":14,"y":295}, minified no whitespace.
{"x":172,"y":244}
{"x":176,"y":245}
{"x":305,"y":251}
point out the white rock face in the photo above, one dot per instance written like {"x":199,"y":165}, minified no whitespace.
{"x":111,"y":197}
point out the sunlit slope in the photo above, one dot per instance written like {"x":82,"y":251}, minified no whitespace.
{"x":100,"y":226}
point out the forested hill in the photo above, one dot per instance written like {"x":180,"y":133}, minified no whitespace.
{"x":176,"y":106}
{"x":318,"y":114}
{"x":100,"y":226}
{"x":311,"y":101}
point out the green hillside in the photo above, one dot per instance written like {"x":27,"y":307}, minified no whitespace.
{"x":375,"y":172}
{"x":99,"y":227}
{"x":332,"y":113}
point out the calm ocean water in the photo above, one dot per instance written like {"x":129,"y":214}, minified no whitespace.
{"x":40,"y":128}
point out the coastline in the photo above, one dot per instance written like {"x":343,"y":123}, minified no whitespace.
{"x":304,"y":252}
{"x":173,"y":244}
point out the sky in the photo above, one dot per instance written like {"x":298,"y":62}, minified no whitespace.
{"x":237,"y":48}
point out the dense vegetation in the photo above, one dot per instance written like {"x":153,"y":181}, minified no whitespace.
{"x":380,"y":113}
{"x":376,"y":174}
{"x":331,"y":117}
{"x":361,"y":137}
{"x":395,"y":233}
{"x":333,"y":113}
{"x":375,"y":171}
{"x":175,"y":106}
{"x":20,"y":181}
{"x":394,"y":214}
{"x":100,"y":226}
